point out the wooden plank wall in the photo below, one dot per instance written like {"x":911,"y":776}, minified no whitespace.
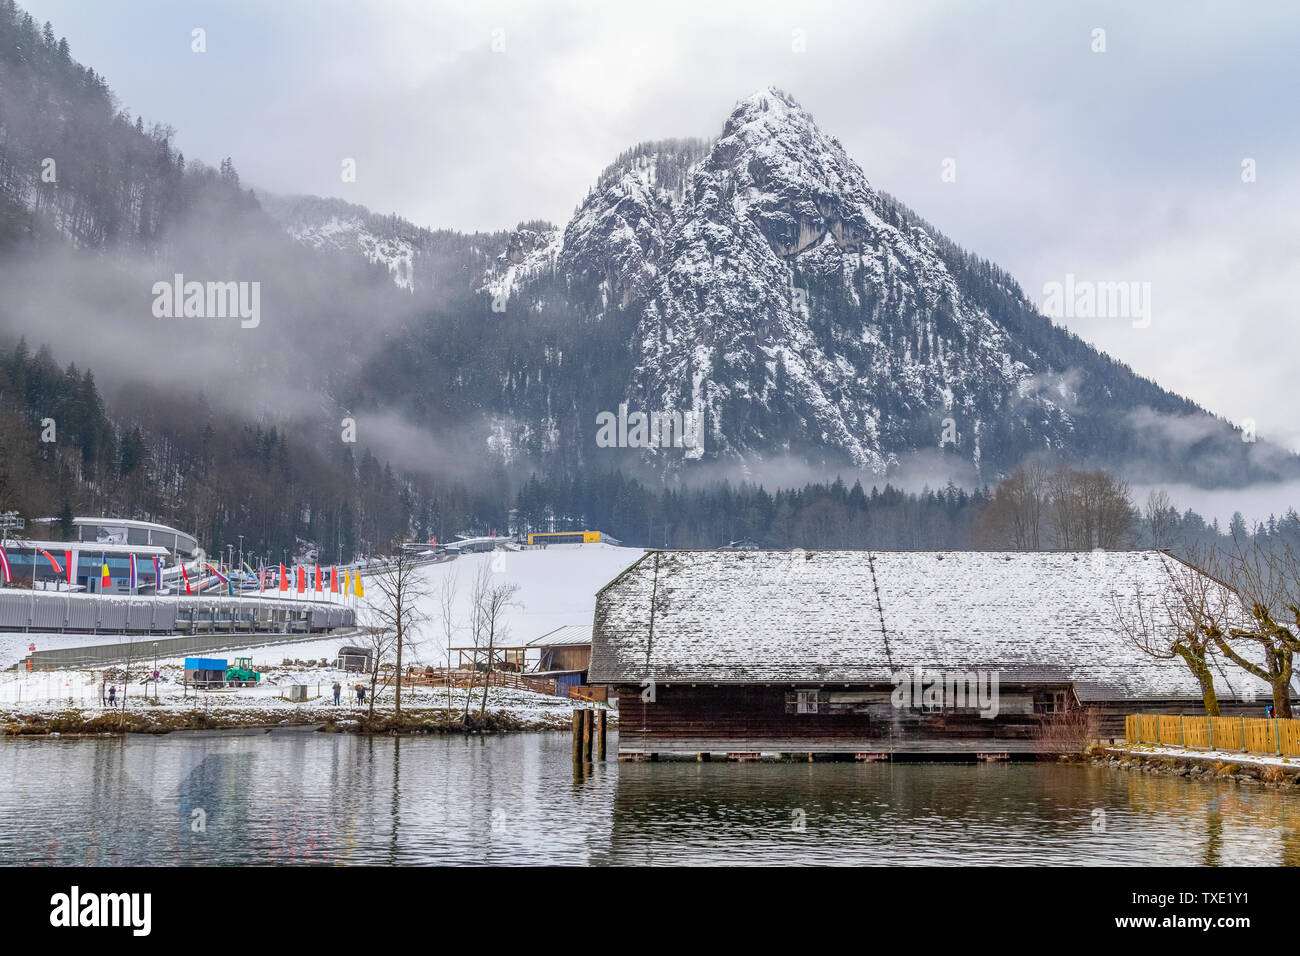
{"x":746,"y":718}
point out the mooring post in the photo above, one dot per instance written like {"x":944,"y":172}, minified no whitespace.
{"x":586,"y":734}
{"x":577,"y":736}
{"x":600,"y":739}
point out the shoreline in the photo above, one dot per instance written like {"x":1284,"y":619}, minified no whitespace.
{"x":415,"y":721}
{"x":1242,"y":768}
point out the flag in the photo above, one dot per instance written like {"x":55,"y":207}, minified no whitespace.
{"x":318,"y":582}
{"x":185,"y":574}
{"x":284,"y":579}
{"x":157,"y":575}
{"x":347,"y":579}
{"x":105,"y":581}
{"x":226,"y":579}
{"x":132,"y":580}
{"x":67,"y":565}
{"x":334,"y":580}
{"x":302,"y":579}
{"x":261,"y":576}
{"x":4,"y":566}
{"x":55,"y":564}
{"x":360,"y":591}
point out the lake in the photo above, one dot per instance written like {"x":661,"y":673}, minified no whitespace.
{"x":294,"y":797}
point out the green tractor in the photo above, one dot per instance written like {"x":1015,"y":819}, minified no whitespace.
{"x":242,"y":674}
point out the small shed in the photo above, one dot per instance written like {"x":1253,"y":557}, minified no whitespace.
{"x":354,"y":660}
{"x":566,"y":648}
{"x":205,"y":671}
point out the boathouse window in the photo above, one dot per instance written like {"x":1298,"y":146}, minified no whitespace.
{"x":1050,"y":702}
{"x":807,"y":702}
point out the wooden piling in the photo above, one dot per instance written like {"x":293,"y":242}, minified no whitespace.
{"x":600,"y":739}
{"x":587,"y":723}
{"x":577,"y":736}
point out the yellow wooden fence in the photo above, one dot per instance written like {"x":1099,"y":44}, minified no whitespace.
{"x":1259,"y":735}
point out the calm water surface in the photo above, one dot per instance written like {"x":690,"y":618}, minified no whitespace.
{"x":295,"y":797}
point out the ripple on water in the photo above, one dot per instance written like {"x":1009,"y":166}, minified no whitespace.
{"x":515,"y":799}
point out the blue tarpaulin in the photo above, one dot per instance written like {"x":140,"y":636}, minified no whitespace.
{"x":564,"y":681}
{"x":205,"y":664}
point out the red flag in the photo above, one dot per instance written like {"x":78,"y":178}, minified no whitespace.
{"x":334,"y":580}
{"x":186,"y":576}
{"x":4,"y":567}
{"x":55,"y":564}
{"x":67,"y":565}
{"x":302,"y":579}
{"x":284,"y":579}
{"x":318,"y":587}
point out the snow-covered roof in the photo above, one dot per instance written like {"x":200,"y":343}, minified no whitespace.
{"x":816,"y":616}
{"x":568,"y":635}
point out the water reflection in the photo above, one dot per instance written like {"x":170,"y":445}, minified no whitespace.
{"x":297,"y":797}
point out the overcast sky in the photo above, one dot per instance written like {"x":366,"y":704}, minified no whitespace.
{"x":1116,"y":165}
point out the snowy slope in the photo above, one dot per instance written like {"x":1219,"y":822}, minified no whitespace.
{"x":557,"y":586}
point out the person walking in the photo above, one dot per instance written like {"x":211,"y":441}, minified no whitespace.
{"x":112,"y":696}
{"x":338,"y":692}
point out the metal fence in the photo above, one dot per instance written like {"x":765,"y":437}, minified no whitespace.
{"x":64,"y":612}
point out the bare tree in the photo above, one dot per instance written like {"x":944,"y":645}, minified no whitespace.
{"x":1090,"y":509}
{"x":401,"y":586}
{"x":1161,"y":518}
{"x":489,"y":603}
{"x":1016,"y":514}
{"x":1036,"y":507}
{"x":446,"y":598}
{"x":1185,"y":620}
{"x":1268,"y":581}
{"x":381,"y":642}
{"x":477,"y":627}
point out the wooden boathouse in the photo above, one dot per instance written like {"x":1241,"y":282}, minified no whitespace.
{"x":873,"y":654}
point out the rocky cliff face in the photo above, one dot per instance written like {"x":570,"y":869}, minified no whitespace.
{"x":790,"y":304}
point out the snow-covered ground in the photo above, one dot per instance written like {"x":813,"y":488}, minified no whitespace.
{"x":64,"y":692}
